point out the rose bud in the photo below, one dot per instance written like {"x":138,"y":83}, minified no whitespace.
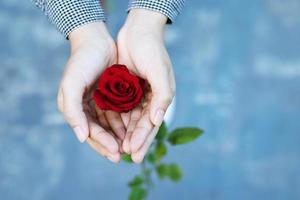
{"x":118,"y":89}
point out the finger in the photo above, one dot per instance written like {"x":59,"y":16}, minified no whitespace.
{"x":125,"y":118}
{"x":140,"y":133}
{"x":103,"y":151}
{"x":119,"y":141}
{"x":103,"y":137}
{"x":163,"y":90}
{"x":138,"y":156}
{"x":120,"y":145}
{"x":72,"y":106}
{"x":88,"y":110}
{"x":134,"y":118}
{"x":101,"y":118}
{"x":115,"y":121}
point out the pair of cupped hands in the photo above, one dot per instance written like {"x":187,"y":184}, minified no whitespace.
{"x":139,"y":46}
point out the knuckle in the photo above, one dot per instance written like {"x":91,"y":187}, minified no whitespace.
{"x":135,"y":118}
{"x":135,"y":115}
{"x":97,"y":133}
{"x":130,"y":128}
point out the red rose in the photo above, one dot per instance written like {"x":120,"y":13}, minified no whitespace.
{"x":118,"y":90}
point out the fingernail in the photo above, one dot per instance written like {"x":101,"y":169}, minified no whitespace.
{"x":80,"y":134}
{"x":125,"y":146}
{"x":110,"y":158}
{"x":159,"y":117}
{"x":113,"y":158}
{"x":121,"y":133}
{"x":137,"y":159}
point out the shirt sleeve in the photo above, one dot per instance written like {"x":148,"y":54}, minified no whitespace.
{"x":68,"y":15}
{"x":170,"y":8}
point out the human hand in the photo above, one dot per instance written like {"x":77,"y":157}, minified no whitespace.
{"x":141,"y":47}
{"x":92,"y":50}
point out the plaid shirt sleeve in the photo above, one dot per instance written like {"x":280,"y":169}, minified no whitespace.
{"x":67,"y":15}
{"x":170,"y":8}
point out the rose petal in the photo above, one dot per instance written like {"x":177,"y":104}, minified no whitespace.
{"x":118,"y":89}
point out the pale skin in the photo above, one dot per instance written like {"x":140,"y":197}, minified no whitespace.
{"x":140,"y":46}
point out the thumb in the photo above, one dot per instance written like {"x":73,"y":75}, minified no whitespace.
{"x":162,"y":96}
{"x":72,"y":91}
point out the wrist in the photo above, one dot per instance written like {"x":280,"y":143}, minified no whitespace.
{"x":92,"y":35}
{"x":150,"y":20}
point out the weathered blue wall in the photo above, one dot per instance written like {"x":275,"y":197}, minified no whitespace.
{"x":237,"y":65}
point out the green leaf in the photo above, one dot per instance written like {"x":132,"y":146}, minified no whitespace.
{"x":184,"y":135}
{"x":162,"y":132}
{"x":151,"y":158}
{"x":174,"y":172}
{"x":160,"y":151}
{"x":137,"y":181}
{"x":162,"y":171}
{"x":137,"y":193}
{"x":127,"y":158}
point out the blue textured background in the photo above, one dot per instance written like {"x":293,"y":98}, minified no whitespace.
{"x":237,"y":65}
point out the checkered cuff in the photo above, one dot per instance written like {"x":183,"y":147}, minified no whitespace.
{"x":170,"y":8}
{"x":40,"y":4}
{"x":67,"y":15}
